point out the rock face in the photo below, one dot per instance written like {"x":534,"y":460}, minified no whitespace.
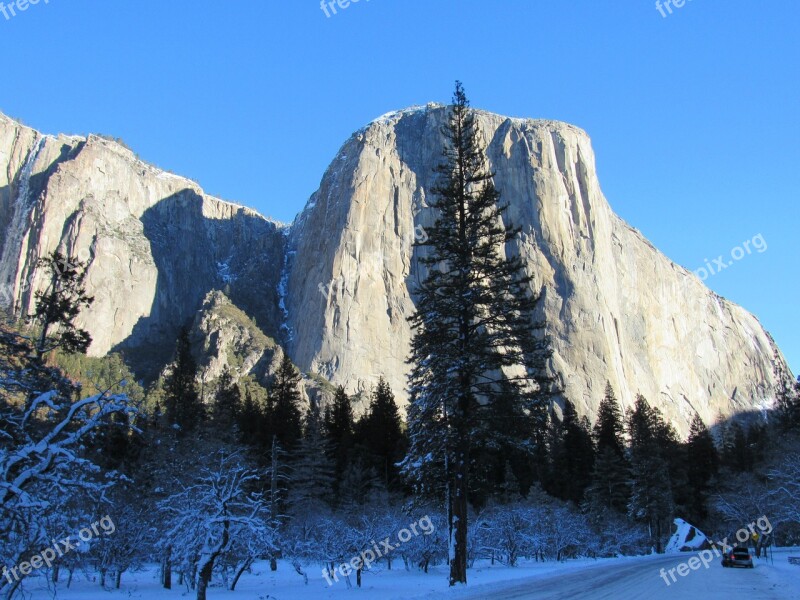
{"x":337,"y":287}
{"x":223,"y":335}
{"x":617,"y":309}
{"x":155,"y":242}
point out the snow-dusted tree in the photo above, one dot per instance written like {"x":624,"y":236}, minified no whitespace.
{"x":474,"y":323}
{"x":567,"y":531}
{"x":362,"y":531}
{"x":318,"y":537}
{"x":616,"y":535}
{"x":210,"y":513}
{"x":248,"y":545}
{"x":508,"y":532}
{"x":784,"y":478}
{"x":423,"y":551}
{"x":42,"y":433}
{"x":125,"y":547}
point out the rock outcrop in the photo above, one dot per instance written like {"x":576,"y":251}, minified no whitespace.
{"x":337,"y":287}
{"x":155,"y":243}
{"x":224,"y":336}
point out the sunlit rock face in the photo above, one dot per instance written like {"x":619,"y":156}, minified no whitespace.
{"x":617,"y":309}
{"x":336,"y":288}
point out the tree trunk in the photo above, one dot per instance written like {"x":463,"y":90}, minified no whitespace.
{"x":56,"y":573}
{"x":118,"y":579}
{"x":166,"y":569}
{"x":358,"y":577}
{"x":298,"y":567}
{"x":102,"y":578}
{"x":273,"y":563}
{"x":458,"y":564}
{"x":207,"y":568}
{"x":202,"y":584}
{"x":243,"y":566}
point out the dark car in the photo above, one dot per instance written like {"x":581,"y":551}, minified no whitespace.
{"x":738,"y":557}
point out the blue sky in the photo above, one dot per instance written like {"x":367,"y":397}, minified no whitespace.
{"x":694,"y":116}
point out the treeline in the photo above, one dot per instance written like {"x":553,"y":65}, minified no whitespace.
{"x":324,"y":475}
{"x":205,"y":481}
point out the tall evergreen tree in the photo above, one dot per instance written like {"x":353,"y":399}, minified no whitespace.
{"x":225,"y":407}
{"x":511,"y":440}
{"x":651,"y":498}
{"x":702,"y":467}
{"x":609,"y":428}
{"x":734,"y":447}
{"x":474,"y":319}
{"x":340,"y":429}
{"x":247,"y":418}
{"x":610,"y":485}
{"x":572,"y":456}
{"x":181,"y":400}
{"x":380,"y":430}
{"x":283,"y":407}
{"x":312,"y":479}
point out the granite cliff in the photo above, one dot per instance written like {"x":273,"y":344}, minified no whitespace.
{"x":336,"y":287}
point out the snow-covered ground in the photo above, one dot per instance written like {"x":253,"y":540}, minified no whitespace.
{"x":620,"y":578}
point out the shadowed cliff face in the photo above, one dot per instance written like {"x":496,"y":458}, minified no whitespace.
{"x":156,"y":245}
{"x":338,"y":287}
{"x":617,"y":309}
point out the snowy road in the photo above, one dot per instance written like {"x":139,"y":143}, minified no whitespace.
{"x":639,"y":579}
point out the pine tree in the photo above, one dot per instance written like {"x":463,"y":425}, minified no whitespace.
{"x":225,"y":407}
{"x":247,"y":417}
{"x":787,"y":394}
{"x":609,"y":427}
{"x":181,"y":400}
{"x":734,"y":447}
{"x":474,"y":318}
{"x":59,"y":305}
{"x":572,"y":456}
{"x":701,"y":469}
{"x":380,"y":430}
{"x":651,"y":495}
{"x":609,"y":488}
{"x":340,"y":430}
{"x":312,"y":480}
{"x":674,"y":453}
{"x":252,"y":419}
{"x":515,"y":434}
{"x":283,"y":407}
